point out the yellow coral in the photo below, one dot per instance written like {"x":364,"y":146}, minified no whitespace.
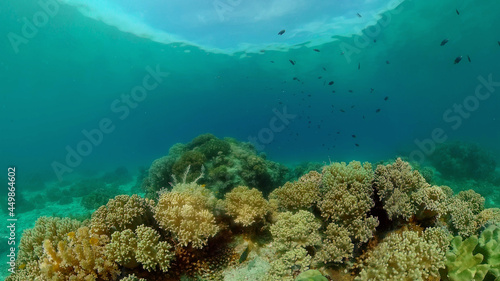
{"x":301,"y":194}
{"x":143,"y":247}
{"x":77,"y":259}
{"x":246,"y":205}
{"x":122,"y":212}
{"x":187,"y":214}
{"x":406,"y":256}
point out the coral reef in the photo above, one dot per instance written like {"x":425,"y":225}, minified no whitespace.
{"x":228,"y":164}
{"x":463,"y":160}
{"x":222,"y":212}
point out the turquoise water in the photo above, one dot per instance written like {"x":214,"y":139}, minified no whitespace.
{"x":395,"y":88}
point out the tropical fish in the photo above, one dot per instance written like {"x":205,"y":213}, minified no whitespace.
{"x":458,"y":59}
{"x":292,"y":62}
{"x":281,"y":32}
{"x":444,"y":42}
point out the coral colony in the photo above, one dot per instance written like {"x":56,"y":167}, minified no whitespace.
{"x":215,"y":210}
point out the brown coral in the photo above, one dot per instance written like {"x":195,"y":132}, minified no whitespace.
{"x":301,"y":194}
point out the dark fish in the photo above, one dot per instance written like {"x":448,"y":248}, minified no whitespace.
{"x":363,"y":117}
{"x":244,"y":255}
{"x":378,"y":110}
{"x":342,"y":110}
{"x":387,"y":62}
{"x":356,"y":144}
{"x":352,"y":106}
{"x":350,"y":91}
{"x":316,"y":50}
{"x":374,"y":40}
{"x":354,"y":136}
{"x":330,"y":83}
{"x":458,"y":13}
{"x":281,"y":32}
{"x":295,"y":78}
{"x":262,"y":51}
{"x":386,"y":98}
{"x":359,"y":15}
{"x":468,"y":58}
{"x":371,"y":90}
{"x":309,"y":95}
{"x":324,"y":68}
{"x":359,"y":65}
{"x":272,"y":61}
{"x":338,"y":133}
{"x":333,"y":91}
{"x":498,"y":43}
{"x":444,"y":42}
{"x":458,"y":59}
{"x":292,"y":62}
{"x":319,"y":77}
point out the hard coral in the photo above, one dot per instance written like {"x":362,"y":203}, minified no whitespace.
{"x":143,"y":247}
{"x":406,"y":256}
{"x":301,"y":194}
{"x":245,"y":205}
{"x":188,"y":215}
{"x":122,"y":212}
{"x":395,"y":184}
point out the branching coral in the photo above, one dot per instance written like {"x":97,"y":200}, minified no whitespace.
{"x":122,"y":212}
{"x":187,"y":214}
{"x":245,"y":205}
{"x":143,"y":247}
{"x":395,"y":184}
{"x":346,"y":197}
{"x":462,"y":213}
{"x":336,"y":246}
{"x":80,"y":257}
{"x":301,"y":194}
{"x":46,"y":228}
{"x":406,"y":256}
{"x":295,"y":230}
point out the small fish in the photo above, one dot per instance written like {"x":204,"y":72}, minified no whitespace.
{"x":244,"y":255}
{"x":386,"y":98}
{"x":338,"y":132}
{"x":272,"y":61}
{"x":350,"y":91}
{"x":468,"y":58}
{"x":444,"y":42}
{"x":374,"y":40}
{"x":359,"y":15}
{"x":359,"y":65}
{"x":342,"y":53}
{"x":354,"y":136}
{"x":378,"y":110}
{"x":356,"y":144}
{"x":296,"y":79}
{"x":330,"y":83}
{"x":363,"y":117}
{"x":342,"y":110}
{"x":262,"y":51}
{"x":371,"y":90}
{"x":333,"y":91}
{"x":352,"y":106}
{"x":458,"y":59}
{"x":316,"y":50}
{"x":498,"y":43}
{"x":324,"y":68}
{"x":292,"y":62}
{"x":458,"y":13}
{"x":387,"y":62}
{"x":319,"y":77}
{"x":281,"y":32}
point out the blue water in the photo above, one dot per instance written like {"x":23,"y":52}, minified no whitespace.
{"x":394,"y":81}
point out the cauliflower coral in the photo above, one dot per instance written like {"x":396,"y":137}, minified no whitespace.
{"x":186,"y":211}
